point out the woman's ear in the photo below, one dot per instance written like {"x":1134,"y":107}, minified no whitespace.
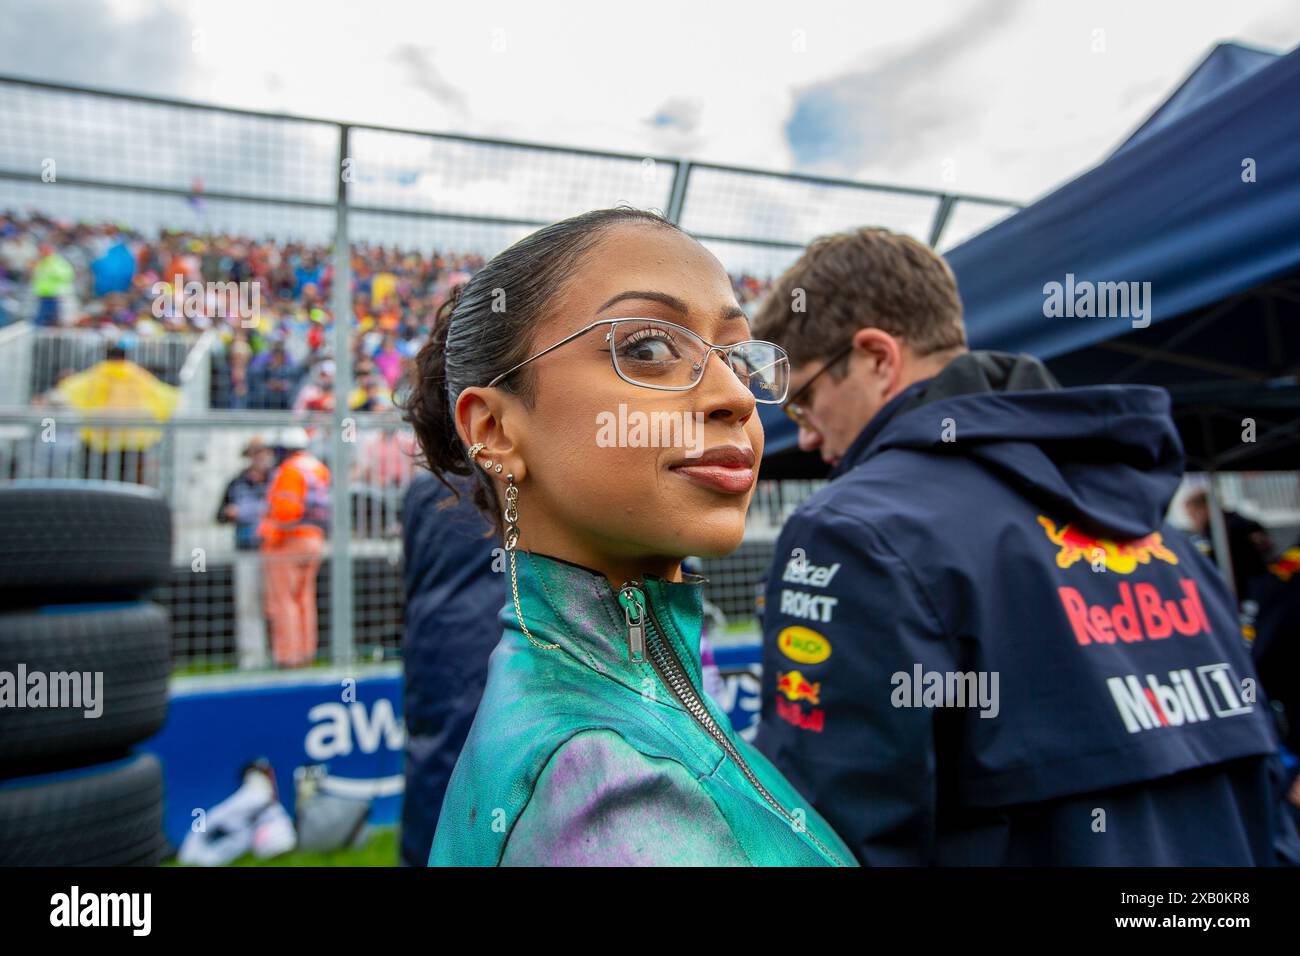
{"x":488,"y":415}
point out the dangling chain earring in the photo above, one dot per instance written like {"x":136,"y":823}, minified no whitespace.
{"x":511,"y":514}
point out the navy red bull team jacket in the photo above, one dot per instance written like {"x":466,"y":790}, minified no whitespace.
{"x":454,"y":588}
{"x":983,"y":645}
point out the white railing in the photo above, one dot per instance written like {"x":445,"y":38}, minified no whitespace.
{"x":16,"y":364}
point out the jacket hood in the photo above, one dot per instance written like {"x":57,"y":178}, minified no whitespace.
{"x":1107,"y":455}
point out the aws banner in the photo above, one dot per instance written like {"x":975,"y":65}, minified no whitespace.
{"x":352,"y":726}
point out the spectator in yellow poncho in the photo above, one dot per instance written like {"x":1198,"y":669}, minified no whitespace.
{"x":119,"y":384}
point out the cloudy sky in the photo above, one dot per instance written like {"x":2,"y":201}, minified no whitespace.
{"x":1004,"y":98}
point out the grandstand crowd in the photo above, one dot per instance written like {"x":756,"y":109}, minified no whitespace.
{"x":104,"y":276}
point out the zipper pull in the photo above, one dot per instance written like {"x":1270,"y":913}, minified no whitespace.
{"x":632,"y":599}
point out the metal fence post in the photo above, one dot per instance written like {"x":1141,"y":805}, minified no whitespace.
{"x":342,"y":634}
{"x":941,"y":215}
{"x":677,"y":200}
{"x":290,"y":202}
{"x":1219,"y":533}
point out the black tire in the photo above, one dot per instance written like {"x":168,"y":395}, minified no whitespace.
{"x":70,"y":540}
{"x":130,"y":644}
{"x":106,"y":815}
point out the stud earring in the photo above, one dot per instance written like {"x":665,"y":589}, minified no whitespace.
{"x":487,"y":463}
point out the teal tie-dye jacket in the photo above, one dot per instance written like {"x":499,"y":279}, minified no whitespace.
{"x":581,"y":756}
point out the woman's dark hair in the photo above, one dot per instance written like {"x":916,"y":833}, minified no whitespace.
{"x":486,"y":327}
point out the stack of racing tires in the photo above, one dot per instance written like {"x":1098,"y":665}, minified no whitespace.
{"x":78,"y":560}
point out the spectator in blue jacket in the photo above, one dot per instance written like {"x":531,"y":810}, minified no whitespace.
{"x":273,"y":378}
{"x":244,"y":506}
{"x":982,"y":642}
{"x":244,"y":502}
{"x":454,"y":590}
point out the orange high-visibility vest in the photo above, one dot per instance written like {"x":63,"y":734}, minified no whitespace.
{"x":298,"y":501}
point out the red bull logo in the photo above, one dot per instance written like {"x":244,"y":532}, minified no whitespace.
{"x":796,"y":687}
{"x":1142,"y":614}
{"x":1286,"y":565}
{"x":791,"y":686}
{"x":792,"y":713}
{"x":1122,"y":557}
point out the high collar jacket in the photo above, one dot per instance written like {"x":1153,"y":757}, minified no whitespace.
{"x":582,"y":755}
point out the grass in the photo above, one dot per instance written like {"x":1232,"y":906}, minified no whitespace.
{"x":209,"y":665}
{"x":380,"y":850}
{"x":365,"y":654}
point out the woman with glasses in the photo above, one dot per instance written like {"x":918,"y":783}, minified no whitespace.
{"x":594,"y":743}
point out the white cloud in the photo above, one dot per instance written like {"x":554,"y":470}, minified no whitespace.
{"x":1008,"y":96}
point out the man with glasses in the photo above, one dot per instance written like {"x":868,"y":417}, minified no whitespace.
{"x":982,"y":643}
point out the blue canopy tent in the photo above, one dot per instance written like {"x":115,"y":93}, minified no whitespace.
{"x":1202,"y":201}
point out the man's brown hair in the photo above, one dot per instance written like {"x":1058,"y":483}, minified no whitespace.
{"x":866,"y":278}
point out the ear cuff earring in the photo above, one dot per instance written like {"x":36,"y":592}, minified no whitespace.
{"x":487,"y":463}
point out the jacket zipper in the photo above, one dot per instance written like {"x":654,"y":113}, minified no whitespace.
{"x":669,"y":667}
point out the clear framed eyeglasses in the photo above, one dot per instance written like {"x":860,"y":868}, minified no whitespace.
{"x":653,"y":353}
